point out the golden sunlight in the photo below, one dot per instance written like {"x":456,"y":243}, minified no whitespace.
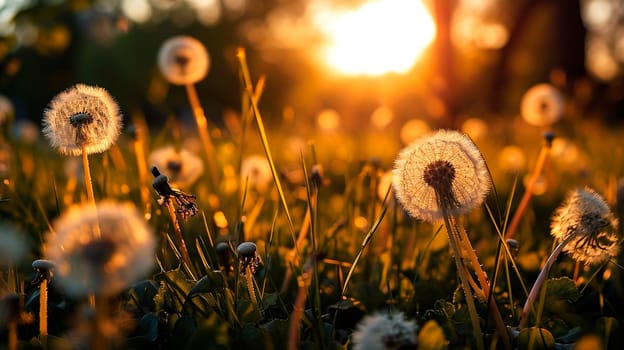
{"x":379,"y":37}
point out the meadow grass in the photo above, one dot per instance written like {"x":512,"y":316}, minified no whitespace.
{"x":334,"y":252}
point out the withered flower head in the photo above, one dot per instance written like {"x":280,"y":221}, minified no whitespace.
{"x":587,"y":216}
{"x":441,"y":172}
{"x":101,"y":250}
{"x":186,"y":205}
{"x":183,"y":60}
{"x":82,"y":116}
{"x":385,"y":331}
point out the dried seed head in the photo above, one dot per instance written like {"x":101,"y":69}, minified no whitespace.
{"x":586,"y":215}
{"x":82,"y":116}
{"x":185,"y":202}
{"x":385,"y":331}
{"x":104,"y":263}
{"x":442,"y":169}
{"x":45,"y":270}
{"x":248,"y":257}
{"x":183,"y":168}
{"x":542,"y":105}
{"x":183,"y":60}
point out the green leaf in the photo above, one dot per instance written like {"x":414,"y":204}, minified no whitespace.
{"x":431,"y":337}
{"x":212,"y":282}
{"x":562,"y":288}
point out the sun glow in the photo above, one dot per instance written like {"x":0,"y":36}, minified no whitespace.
{"x":379,"y":37}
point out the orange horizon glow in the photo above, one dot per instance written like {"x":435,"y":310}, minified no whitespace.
{"x":379,"y":37}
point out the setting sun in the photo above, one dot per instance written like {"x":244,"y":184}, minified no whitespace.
{"x":379,"y":37}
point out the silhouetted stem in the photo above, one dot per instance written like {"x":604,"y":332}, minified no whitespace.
{"x":540,"y":280}
{"x":528,"y":193}
{"x":297,"y":314}
{"x":250,"y":286}
{"x":176,"y":228}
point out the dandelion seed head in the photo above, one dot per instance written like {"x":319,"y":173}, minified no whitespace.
{"x":542,"y":105}
{"x":183,"y":60}
{"x":183,"y":168}
{"x":82,"y":116}
{"x":587,"y":216}
{"x":104,"y":265}
{"x":256,"y":170}
{"x":445,"y":164}
{"x":385,"y":331}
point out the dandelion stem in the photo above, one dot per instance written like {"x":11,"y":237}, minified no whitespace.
{"x":43,"y":311}
{"x":12,"y":342}
{"x":89,"y":186}
{"x":176,"y":228}
{"x":202,"y":127}
{"x":485,"y":284}
{"x":297,"y":314}
{"x":472,"y":310}
{"x":528,"y":193}
{"x":250,"y":287}
{"x":142,"y":168}
{"x":540,"y":280}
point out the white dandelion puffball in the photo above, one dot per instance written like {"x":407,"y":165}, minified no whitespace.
{"x":542,"y":105}
{"x":101,"y":250}
{"x":82,"y":117}
{"x":183,"y":60}
{"x":441,"y":169}
{"x":183,"y":168}
{"x":587,"y":216}
{"x":256,"y":171}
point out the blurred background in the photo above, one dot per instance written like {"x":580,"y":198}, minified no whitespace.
{"x":327,"y":62}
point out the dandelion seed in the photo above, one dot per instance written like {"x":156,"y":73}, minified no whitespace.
{"x":587,"y":216}
{"x":256,"y":171}
{"x":446,"y":164}
{"x":542,"y":105}
{"x":385,"y":331}
{"x":183,"y":60}
{"x":103,"y":264}
{"x":82,"y":116}
{"x":183,"y":168}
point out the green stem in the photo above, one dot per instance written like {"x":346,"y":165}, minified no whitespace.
{"x":540,"y":280}
{"x":474,"y":317}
